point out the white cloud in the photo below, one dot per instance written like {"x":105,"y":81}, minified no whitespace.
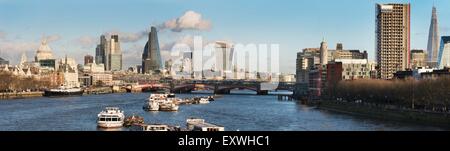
{"x":18,"y":46}
{"x":13,"y":50}
{"x":184,"y":40}
{"x":190,"y":20}
{"x":86,"y":41}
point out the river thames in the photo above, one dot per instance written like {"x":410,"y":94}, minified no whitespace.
{"x":234,"y":112}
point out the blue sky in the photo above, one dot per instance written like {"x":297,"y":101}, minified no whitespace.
{"x":294,"y":25}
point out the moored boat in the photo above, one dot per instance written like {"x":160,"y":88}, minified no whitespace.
{"x":111,"y":117}
{"x":63,"y":91}
{"x":161,"y":102}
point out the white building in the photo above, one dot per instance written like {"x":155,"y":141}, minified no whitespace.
{"x":287,"y":78}
{"x":44,"y":52}
{"x":94,"y":68}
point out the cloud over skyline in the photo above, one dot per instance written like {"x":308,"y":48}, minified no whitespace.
{"x":190,"y":20}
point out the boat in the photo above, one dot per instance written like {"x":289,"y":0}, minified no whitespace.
{"x":149,"y":127}
{"x":130,"y":120}
{"x":151,"y":106}
{"x":161,"y":102}
{"x":171,"y":95}
{"x":210,"y":98}
{"x":198,"y":124}
{"x":168,"y":106}
{"x":154,"y":127}
{"x":63,"y":91}
{"x":203,"y":100}
{"x":111,"y":117}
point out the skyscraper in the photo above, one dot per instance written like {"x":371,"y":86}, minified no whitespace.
{"x":392,"y":38}
{"x":151,"y":57}
{"x":115,"y":54}
{"x":108,"y":52}
{"x":100,"y":51}
{"x":323,"y":53}
{"x":433,"y":39}
{"x":444,"y":52}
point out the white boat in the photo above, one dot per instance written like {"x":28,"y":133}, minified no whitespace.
{"x":149,"y":127}
{"x":111,"y":117}
{"x":203,"y":100}
{"x":161,"y":102}
{"x":152,"y":106}
{"x":197,"y":124}
{"x":168,"y":106}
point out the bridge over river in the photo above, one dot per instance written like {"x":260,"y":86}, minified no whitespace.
{"x":218,"y":87}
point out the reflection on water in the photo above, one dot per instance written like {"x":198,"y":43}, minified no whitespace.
{"x":235,"y":112}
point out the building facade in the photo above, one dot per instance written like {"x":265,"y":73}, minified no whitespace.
{"x":305,"y":61}
{"x":109,"y":53}
{"x":392,"y":38}
{"x":323,"y":53}
{"x":88,"y":59}
{"x":151,"y":57}
{"x":418,"y":58}
{"x":433,"y":39}
{"x":444,"y":53}
{"x":353,"y":69}
{"x":44,"y":52}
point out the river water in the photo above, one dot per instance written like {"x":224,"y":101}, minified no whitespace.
{"x":234,"y":112}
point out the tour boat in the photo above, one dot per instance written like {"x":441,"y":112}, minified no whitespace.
{"x":203,"y":100}
{"x":151,"y":106}
{"x":161,"y":102}
{"x":63,"y":91}
{"x":111,"y":117}
{"x":168,"y":106}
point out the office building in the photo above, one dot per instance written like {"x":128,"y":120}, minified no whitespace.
{"x":433,"y":38}
{"x":392,"y":38}
{"x":109,"y":53}
{"x":444,"y":53}
{"x":151,"y":57}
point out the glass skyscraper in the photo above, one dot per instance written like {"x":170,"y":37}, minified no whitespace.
{"x":444,"y":52}
{"x":151,"y":57}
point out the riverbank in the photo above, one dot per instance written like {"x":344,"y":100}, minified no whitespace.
{"x":386,"y":112}
{"x":19,"y":95}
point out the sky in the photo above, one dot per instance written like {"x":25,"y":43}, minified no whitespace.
{"x":74,"y":27}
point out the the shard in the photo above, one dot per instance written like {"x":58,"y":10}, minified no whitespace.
{"x":151,"y":58}
{"x":433,"y":40}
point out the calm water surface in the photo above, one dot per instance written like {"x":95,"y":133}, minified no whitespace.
{"x":235,"y":112}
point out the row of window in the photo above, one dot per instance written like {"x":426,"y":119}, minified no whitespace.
{"x":109,"y":119}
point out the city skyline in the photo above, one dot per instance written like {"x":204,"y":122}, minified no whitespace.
{"x":75,"y":33}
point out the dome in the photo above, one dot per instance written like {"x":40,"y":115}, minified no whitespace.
{"x":44,"y":47}
{"x":44,"y":52}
